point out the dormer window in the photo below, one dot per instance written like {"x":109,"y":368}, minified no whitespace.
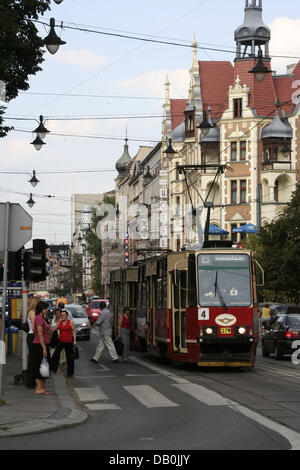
{"x":237,"y":108}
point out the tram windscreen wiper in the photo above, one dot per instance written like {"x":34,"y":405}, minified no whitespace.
{"x":218,"y":291}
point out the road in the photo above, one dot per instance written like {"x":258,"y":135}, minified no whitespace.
{"x":148,"y":404}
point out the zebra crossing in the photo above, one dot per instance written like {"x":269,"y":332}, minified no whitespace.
{"x":96,"y":399}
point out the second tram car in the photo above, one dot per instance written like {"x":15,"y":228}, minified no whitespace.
{"x":194,"y":306}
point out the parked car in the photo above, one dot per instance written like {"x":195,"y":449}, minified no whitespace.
{"x":93,"y":309}
{"x":81,"y":321}
{"x":280,"y":333}
{"x":280,"y":309}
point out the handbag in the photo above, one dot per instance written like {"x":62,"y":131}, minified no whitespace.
{"x":76,"y":352}
{"x":45,"y":369}
{"x":119,"y":346}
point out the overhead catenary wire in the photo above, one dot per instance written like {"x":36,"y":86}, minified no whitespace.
{"x":136,"y":37}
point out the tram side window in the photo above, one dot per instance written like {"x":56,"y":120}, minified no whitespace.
{"x":192,"y":285}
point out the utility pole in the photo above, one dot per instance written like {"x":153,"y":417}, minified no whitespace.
{"x":24,"y":319}
{"x":5,"y":267}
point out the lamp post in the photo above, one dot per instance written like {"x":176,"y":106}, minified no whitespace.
{"x":30,"y":202}
{"x":52,"y":41}
{"x":33,"y":181}
{"x":205,"y":126}
{"x":38,"y":143}
{"x":260,"y":71}
{"x":41,"y":130}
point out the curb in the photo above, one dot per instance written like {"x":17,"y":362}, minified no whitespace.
{"x":66,"y":416}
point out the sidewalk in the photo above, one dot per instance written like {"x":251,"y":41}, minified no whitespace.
{"x":26,"y":413}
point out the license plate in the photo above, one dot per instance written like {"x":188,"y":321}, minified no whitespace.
{"x":225,"y":331}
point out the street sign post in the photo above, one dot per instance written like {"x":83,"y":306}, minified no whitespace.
{"x":20,"y":227}
{"x":15,"y":232}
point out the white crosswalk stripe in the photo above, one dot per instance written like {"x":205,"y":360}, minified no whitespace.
{"x":204,"y":395}
{"x":149,"y":397}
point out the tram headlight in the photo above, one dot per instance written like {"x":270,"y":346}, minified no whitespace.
{"x":209,"y":331}
{"x":242,"y":331}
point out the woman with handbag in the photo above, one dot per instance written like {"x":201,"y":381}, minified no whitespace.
{"x":40,"y":346}
{"x":29,"y":329}
{"x":66,"y":342}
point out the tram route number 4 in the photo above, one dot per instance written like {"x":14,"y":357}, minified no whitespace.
{"x":203,"y":314}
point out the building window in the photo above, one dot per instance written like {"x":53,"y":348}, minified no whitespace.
{"x":243,"y":150}
{"x":243,"y":191}
{"x":276,"y":192}
{"x":238,"y":108}
{"x":233,"y":235}
{"x":233,"y":151}
{"x":233,"y":192}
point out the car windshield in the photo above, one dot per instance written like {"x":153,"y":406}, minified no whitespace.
{"x":224,"y":280}
{"x":77,"y":312}
{"x":293,"y":320}
{"x":95,"y":305}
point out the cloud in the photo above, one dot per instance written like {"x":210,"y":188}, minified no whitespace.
{"x":285,"y":40}
{"x":82,"y":58}
{"x":153,"y":82}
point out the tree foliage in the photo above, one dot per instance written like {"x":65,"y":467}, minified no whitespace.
{"x":278,"y":250}
{"x":21,"y":51}
{"x":94,"y":246}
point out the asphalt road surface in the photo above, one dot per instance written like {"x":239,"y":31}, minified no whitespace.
{"x":147,"y":404}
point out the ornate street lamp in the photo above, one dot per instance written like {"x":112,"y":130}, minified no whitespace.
{"x":30,"y":202}
{"x":41,"y":130}
{"x":260,"y":70}
{"x":147,"y":177}
{"x":170,"y":151}
{"x":205,"y":126}
{"x":38,"y":143}
{"x":52,"y":41}
{"x":34,"y":181}
{"x":58,"y":1}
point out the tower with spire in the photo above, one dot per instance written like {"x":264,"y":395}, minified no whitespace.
{"x":253,"y":34}
{"x":124,"y":160}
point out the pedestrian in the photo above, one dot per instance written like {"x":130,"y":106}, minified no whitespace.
{"x":105,"y":324}
{"x":66,"y":342}
{"x":54,"y":337}
{"x":40,"y":346}
{"x":124,"y":330}
{"x":32,"y":304}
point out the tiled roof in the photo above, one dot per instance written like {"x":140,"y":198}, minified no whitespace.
{"x":177,"y":112}
{"x":215,"y":79}
{"x":262,"y":95}
{"x":284,"y":90}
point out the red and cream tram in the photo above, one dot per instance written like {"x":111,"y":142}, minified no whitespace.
{"x":194,"y":306}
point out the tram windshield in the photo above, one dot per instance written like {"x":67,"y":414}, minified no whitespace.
{"x":224,"y":280}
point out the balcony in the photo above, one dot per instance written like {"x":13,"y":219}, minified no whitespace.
{"x":278,"y":165}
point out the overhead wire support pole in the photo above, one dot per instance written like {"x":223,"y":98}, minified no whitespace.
{"x":4,"y":295}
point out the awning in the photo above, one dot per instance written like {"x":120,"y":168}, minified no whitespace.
{"x":249,"y":228}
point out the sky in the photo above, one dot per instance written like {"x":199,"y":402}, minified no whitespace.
{"x":111,"y":68}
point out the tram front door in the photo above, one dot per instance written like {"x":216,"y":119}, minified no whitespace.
{"x":179,"y":305}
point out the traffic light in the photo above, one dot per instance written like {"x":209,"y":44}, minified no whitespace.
{"x":35,"y":262}
{"x":126,"y":252}
{"x":14,"y":271}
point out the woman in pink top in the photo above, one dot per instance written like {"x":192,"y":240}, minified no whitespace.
{"x":41,"y":346}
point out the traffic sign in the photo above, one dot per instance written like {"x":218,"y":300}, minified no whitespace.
{"x":20,"y":227}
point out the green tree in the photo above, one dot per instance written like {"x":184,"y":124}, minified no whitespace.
{"x":279,"y":252}
{"x":76,"y":273}
{"x":21,"y":51}
{"x":94,"y":246}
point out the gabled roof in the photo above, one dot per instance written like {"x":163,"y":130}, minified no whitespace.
{"x":215,"y":79}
